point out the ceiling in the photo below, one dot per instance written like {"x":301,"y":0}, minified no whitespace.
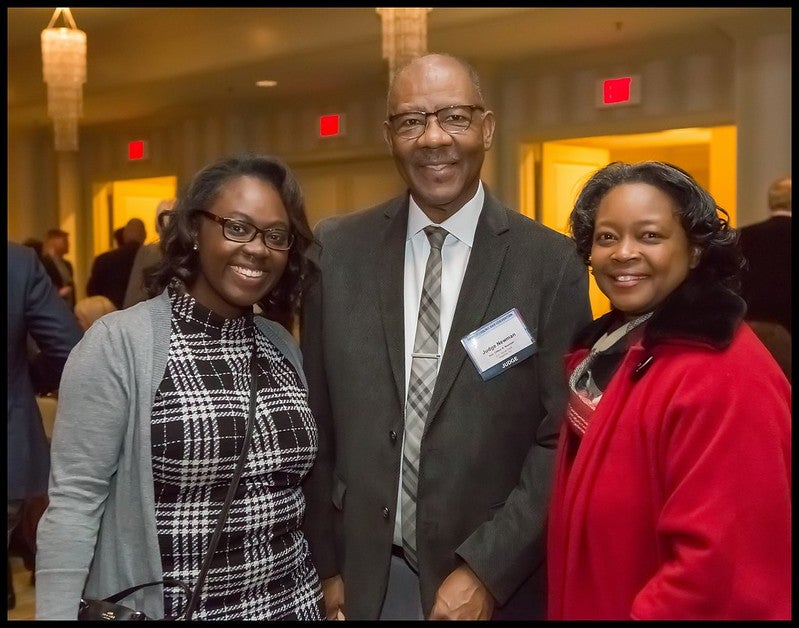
{"x":144,"y":61}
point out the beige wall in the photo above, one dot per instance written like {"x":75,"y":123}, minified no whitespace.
{"x":344,"y":187}
{"x":685,"y":83}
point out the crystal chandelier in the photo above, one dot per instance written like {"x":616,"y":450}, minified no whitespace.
{"x":404,"y":35}
{"x":64,"y":70}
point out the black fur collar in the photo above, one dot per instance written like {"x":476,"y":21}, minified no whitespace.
{"x":708,"y":314}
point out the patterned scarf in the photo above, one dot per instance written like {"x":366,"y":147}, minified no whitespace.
{"x":584,"y":394}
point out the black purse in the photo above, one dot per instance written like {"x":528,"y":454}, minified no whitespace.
{"x":107,"y":608}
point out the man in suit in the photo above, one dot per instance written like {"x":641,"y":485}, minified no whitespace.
{"x":111,"y":270}
{"x":36,"y":310}
{"x":147,"y":256}
{"x":486,"y":455}
{"x":766,"y":285}
{"x":54,"y":248}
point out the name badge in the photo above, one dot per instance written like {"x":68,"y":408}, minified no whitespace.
{"x":499,"y":344}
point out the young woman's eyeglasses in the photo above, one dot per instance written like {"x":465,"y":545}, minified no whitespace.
{"x":240,"y":231}
{"x":452,"y":119}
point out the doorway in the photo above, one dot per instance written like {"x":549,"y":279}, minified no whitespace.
{"x":116,"y":202}
{"x":552,"y":173}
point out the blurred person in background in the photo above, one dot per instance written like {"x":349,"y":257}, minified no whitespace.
{"x":766,"y":285}
{"x":146,"y":258}
{"x":766,"y":282}
{"x":54,"y":248}
{"x":111,"y":270}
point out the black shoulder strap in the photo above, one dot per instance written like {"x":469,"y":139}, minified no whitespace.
{"x":166,"y":581}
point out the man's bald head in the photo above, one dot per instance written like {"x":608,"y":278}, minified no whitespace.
{"x":134,"y":231}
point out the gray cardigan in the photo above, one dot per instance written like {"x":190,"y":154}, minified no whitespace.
{"x":98,"y":534}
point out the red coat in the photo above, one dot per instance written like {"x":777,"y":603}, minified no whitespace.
{"x":677,"y":503}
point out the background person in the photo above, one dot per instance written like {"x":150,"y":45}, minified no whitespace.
{"x":54,"y":248}
{"x":672,"y":497}
{"x":486,"y":455}
{"x":146,"y":258}
{"x":111,"y":270}
{"x":152,"y":413}
{"x":766,"y":283}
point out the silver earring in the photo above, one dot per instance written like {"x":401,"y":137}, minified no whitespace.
{"x":196,"y":246}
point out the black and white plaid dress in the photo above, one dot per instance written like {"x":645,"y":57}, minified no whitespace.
{"x":262,"y":567}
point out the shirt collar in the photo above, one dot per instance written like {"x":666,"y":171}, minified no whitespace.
{"x":462,"y":224}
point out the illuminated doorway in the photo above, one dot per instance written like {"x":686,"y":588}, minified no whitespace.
{"x":552,"y":173}
{"x":116,"y":202}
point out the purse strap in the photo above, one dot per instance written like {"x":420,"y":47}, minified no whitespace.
{"x":234,"y":483}
{"x":166,"y":581}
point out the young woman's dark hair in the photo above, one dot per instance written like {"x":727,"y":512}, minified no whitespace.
{"x":705,"y":223}
{"x":179,"y":228}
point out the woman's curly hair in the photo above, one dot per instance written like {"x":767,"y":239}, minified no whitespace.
{"x":180,"y":226}
{"x":705,"y":223}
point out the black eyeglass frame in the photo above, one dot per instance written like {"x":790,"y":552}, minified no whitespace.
{"x":262,"y":232}
{"x":436,"y":113}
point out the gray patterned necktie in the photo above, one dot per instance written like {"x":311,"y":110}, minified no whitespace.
{"x":424,"y":367}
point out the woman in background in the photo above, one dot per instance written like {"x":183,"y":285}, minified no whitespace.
{"x":672,"y":497}
{"x":152,"y":414}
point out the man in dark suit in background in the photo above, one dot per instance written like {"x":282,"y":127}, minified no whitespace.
{"x":766,"y":282}
{"x":766,"y":285}
{"x":54,"y":248}
{"x":147,"y":256}
{"x":36,"y":310}
{"x":111,"y":270}
{"x":485,"y":461}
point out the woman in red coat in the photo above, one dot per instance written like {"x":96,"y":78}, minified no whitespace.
{"x":672,"y":497}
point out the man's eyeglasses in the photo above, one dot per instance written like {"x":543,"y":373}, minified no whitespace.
{"x":239,"y":231}
{"x":453,"y":119}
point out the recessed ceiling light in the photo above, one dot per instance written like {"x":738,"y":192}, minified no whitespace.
{"x":266,"y":83}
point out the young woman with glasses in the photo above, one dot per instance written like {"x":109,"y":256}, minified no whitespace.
{"x":153,"y":409}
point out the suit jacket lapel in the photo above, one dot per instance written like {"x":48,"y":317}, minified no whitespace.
{"x":390,"y":271}
{"x":482,"y":273}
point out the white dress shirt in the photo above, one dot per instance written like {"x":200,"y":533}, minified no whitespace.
{"x":454,"y":257}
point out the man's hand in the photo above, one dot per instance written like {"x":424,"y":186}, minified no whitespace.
{"x":333,"y":592}
{"x":462,"y":596}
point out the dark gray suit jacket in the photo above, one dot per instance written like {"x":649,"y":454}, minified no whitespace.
{"x":487,"y":452}
{"x":766,"y":283}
